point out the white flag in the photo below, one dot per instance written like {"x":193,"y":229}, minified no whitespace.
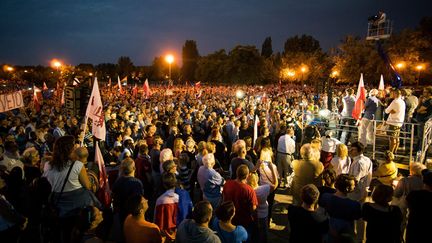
{"x":95,"y":112}
{"x":255,"y":129}
{"x":381,"y":84}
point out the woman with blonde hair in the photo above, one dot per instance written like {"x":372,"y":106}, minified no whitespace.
{"x":262,"y":192}
{"x":178,"y":148}
{"x":202,"y":151}
{"x":268,"y":175}
{"x":306,"y":171}
{"x":387,"y":171}
{"x":341,"y":162}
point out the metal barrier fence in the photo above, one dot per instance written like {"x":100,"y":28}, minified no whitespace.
{"x":409,"y":142}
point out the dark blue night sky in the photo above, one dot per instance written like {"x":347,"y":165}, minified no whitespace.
{"x":97,"y":31}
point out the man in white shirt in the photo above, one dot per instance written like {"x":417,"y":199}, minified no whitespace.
{"x":347,"y":122}
{"x":285,"y":151}
{"x":361,"y":169}
{"x":396,"y":111}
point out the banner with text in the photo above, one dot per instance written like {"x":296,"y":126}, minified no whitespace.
{"x":11,"y":101}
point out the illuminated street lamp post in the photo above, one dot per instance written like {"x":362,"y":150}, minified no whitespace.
{"x":303,"y":70}
{"x":56,"y":64}
{"x":419,"y":68}
{"x":400,"y":65}
{"x":9,"y":68}
{"x":333,"y":77}
{"x":169,"y":59}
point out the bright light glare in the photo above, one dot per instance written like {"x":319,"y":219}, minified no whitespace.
{"x":240,"y":94}
{"x":400,"y":65}
{"x":325,"y":113}
{"x":419,"y":67}
{"x":56,"y":63}
{"x":169,"y":58}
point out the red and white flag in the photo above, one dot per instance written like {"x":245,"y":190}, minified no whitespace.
{"x":76,"y":82}
{"x":197,"y":85}
{"x":360,"y":100}
{"x":135,"y":91}
{"x":103,"y":194}
{"x":95,"y":112}
{"x":119,"y":85}
{"x":109,"y":82}
{"x":146,"y":89}
{"x":45,"y":87}
{"x":36,"y":102}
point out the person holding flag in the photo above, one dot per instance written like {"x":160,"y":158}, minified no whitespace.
{"x":120,"y":86}
{"x":146,"y":89}
{"x":366,"y":124}
{"x":95,"y":113}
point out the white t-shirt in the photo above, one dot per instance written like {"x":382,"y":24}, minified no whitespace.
{"x":262,"y":193}
{"x":341,"y":166}
{"x":57,"y":178}
{"x":396,"y":119}
{"x":329,"y":144}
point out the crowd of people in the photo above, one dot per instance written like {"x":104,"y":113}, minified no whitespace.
{"x":204,"y":166}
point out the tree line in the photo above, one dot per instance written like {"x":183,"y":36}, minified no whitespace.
{"x":302,"y":60}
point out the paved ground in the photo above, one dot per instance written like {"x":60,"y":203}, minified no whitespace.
{"x":280,"y":232}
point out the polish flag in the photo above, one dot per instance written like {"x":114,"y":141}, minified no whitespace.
{"x":45,"y":87}
{"x":103,"y":194}
{"x":360,"y":100}
{"x":95,"y":112}
{"x":198,"y":85}
{"x":135,"y":91}
{"x":120,"y":86}
{"x":146,"y":89}
{"x":109,"y":82}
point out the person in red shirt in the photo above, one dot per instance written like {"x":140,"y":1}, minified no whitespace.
{"x":244,"y":199}
{"x":136,"y":229}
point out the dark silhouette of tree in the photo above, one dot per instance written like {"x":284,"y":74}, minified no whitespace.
{"x":304,"y":43}
{"x":304,"y":58}
{"x":105,"y":71}
{"x":190,"y":57}
{"x":267,"y":49}
{"x":245,"y":65}
{"x":125,"y":66}
{"x":211,"y":68}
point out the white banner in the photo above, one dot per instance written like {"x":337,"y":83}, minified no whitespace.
{"x":11,"y":101}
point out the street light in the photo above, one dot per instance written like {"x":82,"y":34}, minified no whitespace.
{"x":303,"y":70}
{"x":9,"y":68}
{"x":56,"y":64}
{"x":400,"y":65}
{"x":169,"y":59}
{"x":419,"y":68}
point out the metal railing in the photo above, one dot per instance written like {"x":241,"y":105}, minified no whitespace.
{"x":407,"y":137}
{"x":379,"y":30}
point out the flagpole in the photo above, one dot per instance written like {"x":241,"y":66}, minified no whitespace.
{"x":84,"y":130}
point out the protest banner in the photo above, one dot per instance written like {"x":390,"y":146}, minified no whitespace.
{"x":11,"y":101}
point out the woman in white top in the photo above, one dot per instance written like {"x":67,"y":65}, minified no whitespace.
{"x":268,"y":175}
{"x":75,"y":194}
{"x":341,"y":162}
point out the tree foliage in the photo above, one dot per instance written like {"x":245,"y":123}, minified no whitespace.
{"x":304,"y":60}
{"x":267,"y":48}
{"x":125,"y":66}
{"x":304,"y":43}
{"x":190,"y":57}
